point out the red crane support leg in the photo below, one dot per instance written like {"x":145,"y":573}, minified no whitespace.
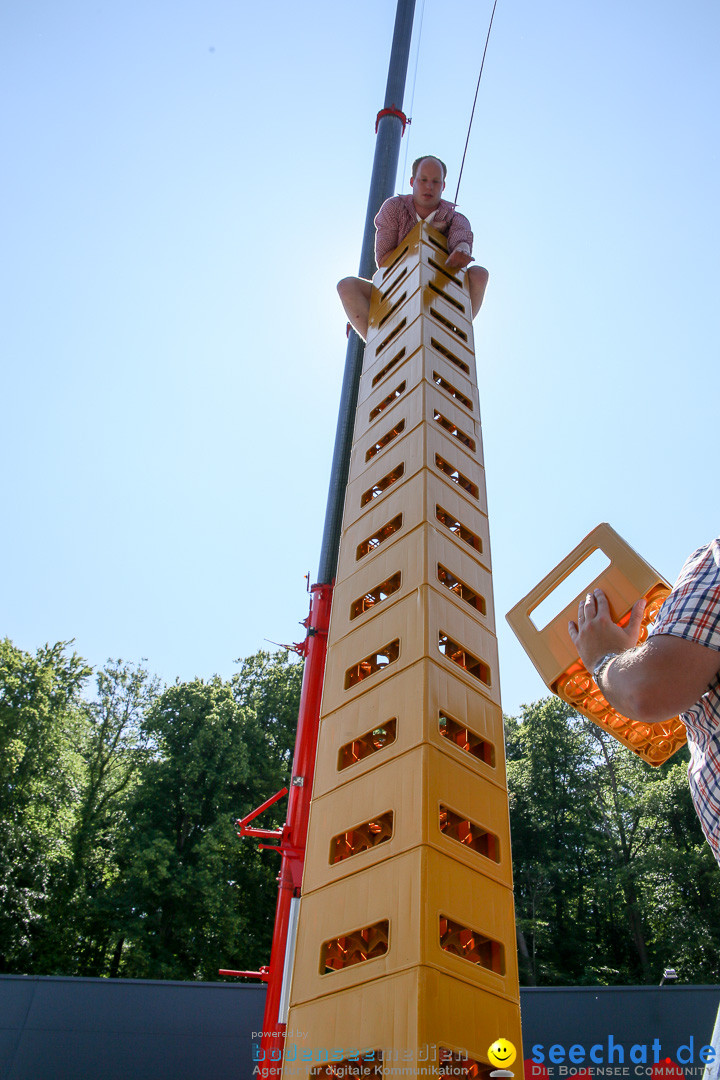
{"x":294,"y":833}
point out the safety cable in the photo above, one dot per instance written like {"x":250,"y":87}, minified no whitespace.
{"x":412,"y":93}
{"x":472,"y":114}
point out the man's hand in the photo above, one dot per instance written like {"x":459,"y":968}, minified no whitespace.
{"x":458,"y":260}
{"x":664,"y":676}
{"x":595,"y":634}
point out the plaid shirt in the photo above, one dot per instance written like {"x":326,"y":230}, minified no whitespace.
{"x":397,"y":216}
{"x":692,"y":611}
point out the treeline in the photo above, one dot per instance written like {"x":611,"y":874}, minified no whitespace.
{"x":119,"y":855}
{"x":613,"y":878}
{"x":118,"y":851}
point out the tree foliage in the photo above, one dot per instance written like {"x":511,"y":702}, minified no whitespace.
{"x":119,"y":854}
{"x":118,"y":849}
{"x":181,"y":867}
{"x":613,"y":878}
{"x":40,"y":781}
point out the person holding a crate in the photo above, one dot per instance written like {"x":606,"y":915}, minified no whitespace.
{"x":675,"y":671}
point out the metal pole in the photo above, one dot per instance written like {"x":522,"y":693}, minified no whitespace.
{"x":382,"y":185}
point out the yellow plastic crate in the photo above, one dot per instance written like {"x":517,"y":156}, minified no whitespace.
{"x":625,"y":580}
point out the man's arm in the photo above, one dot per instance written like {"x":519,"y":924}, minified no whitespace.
{"x":652,"y":682}
{"x":387,"y":224}
{"x":459,"y":259}
{"x":460,"y":240}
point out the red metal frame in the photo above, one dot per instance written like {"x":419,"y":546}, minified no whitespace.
{"x":293,"y":835}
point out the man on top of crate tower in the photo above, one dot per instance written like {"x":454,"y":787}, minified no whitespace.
{"x":675,"y":671}
{"x":396,"y":217}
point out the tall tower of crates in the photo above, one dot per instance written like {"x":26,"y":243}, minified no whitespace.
{"x":406,"y":935}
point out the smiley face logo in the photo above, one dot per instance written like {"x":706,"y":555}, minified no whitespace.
{"x":502,"y":1053}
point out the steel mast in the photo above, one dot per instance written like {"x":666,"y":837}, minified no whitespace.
{"x":390,"y":127}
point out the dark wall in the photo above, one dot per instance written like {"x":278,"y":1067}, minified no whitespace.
{"x":656,"y":1021}
{"x":118,"y":1029}
{"x":121,"y":1029}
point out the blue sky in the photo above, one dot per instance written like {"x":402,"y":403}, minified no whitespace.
{"x":185,"y":182}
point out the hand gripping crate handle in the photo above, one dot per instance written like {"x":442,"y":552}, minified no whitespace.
{"x":551,"y":581}
{"x":627,"y":569}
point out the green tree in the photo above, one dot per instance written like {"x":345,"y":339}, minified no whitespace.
{"x":613,"y":878}
{"x":114,"y":747}
{"x":269,"y":685}
{"x":190,"y":896}
{"x":619,"y":780}
{"x":554,"y":838}
{"x":41,"y":776}
{"x":118,"y":852}
{"x":679,"y":886}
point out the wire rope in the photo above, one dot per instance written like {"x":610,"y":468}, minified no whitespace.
{"x":477,"y":88}
{"x":412,"y":94}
